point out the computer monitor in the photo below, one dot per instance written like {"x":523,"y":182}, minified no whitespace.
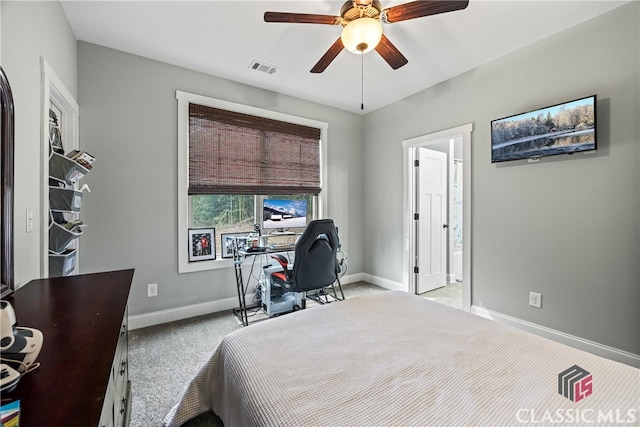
{"x":280,"y":215}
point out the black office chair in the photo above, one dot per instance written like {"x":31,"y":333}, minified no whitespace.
{"x":315,"y":267}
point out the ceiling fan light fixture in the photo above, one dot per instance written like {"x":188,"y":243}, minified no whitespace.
{"x":361,"y":35}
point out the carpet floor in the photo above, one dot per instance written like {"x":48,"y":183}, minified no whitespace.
{"x":164,"y":358}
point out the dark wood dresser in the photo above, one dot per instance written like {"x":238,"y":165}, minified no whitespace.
{"x":83,"y":377}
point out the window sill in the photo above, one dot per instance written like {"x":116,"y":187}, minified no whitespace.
{"x":191,"y":267}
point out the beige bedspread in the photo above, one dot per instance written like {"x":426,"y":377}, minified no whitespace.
{"x":395,"y":359}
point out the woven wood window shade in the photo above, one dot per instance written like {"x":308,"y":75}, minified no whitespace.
{"x":234,"y":153}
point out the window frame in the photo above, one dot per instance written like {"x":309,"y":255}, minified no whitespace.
{"x":184,"y":208}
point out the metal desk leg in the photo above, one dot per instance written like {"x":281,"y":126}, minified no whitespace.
{"x":241,"y":311}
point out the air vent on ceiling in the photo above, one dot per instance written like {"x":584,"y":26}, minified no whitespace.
{"x":261,"y":66}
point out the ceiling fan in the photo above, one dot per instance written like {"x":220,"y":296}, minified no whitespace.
{"x":362,"y":29}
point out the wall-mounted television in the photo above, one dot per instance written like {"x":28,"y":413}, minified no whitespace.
{"x":566,"y":128}
{"x":282,"y":215}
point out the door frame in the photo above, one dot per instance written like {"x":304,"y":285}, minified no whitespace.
{"x":409,"y":186}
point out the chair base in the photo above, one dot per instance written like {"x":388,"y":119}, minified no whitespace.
{"x":324,"y":296}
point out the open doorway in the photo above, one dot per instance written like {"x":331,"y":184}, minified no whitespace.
{"x":438,"y":245}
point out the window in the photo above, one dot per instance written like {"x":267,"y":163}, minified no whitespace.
{"x":226,"y":213}
{"x":233,"y":213}
{"x":231,"y":157}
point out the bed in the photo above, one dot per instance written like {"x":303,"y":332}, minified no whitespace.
{"x":395,"y":359}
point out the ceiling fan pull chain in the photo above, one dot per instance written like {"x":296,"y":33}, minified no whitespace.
{"x":362,"y":81}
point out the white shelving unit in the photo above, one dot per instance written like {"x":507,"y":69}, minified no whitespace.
{"x":65,"y":202}
{"x":61,"y":198}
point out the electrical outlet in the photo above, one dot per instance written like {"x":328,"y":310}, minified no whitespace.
{"x":535,"y":299}
{"x":152,"y":290}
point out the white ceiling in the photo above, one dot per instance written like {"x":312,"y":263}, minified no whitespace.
{"x":222,"y":38}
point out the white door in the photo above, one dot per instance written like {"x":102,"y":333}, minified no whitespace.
{"x":431,"y":223}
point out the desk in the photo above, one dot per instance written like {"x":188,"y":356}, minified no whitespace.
{"x":239,"y":256}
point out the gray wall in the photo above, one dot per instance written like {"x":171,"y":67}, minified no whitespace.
{"x":31,"y":30}
{"x":569,"y":226}
{"x":129,"y":123}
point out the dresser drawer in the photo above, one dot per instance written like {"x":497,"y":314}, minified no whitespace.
{"x":123,"y":414}
{"x":117,"y":401}
{"x":108,"y":414}
{"x":120,"y":370}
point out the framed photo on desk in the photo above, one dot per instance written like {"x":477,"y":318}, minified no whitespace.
{"x":202,"y":245}
{"x":231,"y":241}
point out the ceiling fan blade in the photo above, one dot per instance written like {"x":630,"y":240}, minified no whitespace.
{"x":300,"y":18}
{"x":390,"y":53}
{"x":329,"y":56}
{"x":418,"y":9}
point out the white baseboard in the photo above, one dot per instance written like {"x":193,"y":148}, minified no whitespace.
{"x":351,"y":278}
{"x":172,"y":314}
{"x":384,"y":283}
{"x":561,"y":337}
